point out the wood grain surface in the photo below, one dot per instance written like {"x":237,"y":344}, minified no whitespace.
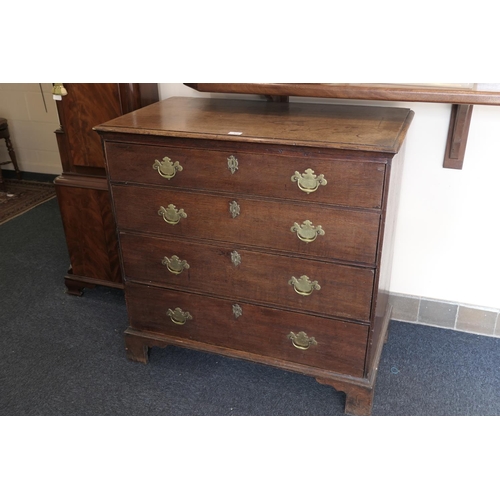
{"x":366,"y":128}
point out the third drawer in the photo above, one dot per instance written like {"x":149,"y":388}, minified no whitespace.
{"x":303,"y":284}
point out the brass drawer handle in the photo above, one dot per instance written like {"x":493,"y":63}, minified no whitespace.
{"x":308,"y":181}
{"x":306,"y":231}
{"x":303,"y":285}
{"x":301,"y":340}
{"x":171,"y":215}
{"x":178,"y":316}
{"x":166,"y":168}
{"x":174,"y":264}
{"x":232,"y":164}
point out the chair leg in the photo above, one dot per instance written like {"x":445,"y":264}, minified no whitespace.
{"x":13,"y":158}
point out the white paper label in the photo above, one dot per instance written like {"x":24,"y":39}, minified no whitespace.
{"x":234,"y":133}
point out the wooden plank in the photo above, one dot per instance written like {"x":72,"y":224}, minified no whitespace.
{"x":363,"y":91}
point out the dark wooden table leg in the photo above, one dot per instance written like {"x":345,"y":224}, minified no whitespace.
{"x":359,"y":399}
{"x":137,"y":349}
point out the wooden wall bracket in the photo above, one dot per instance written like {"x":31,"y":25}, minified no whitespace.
{"x":457,"y":135}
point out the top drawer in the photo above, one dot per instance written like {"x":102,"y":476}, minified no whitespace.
{"x":340,"y":182}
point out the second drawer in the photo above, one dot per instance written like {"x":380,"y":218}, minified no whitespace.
{"x":300,"y":229}
{"x":300,"y":283}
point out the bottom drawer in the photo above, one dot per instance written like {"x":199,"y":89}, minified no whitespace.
{"x":334,"y":345}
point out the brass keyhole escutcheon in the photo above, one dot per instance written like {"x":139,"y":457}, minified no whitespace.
{"x":178,"y":316}
{"x":237,"y":310}
{"x":306,"y":231}
{"x":234,"y":209}
{"x":235,"y":258}
{"x":301,"y":340}
{"x":308,"y":181}
{"x":303,"y":285}
{"x":166,"y":168}
{"x":232,"y":164}
{"x":174,"y":264}
{"x":172,"y":215}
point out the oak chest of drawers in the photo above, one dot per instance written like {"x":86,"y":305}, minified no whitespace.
{"x":259,"y":230}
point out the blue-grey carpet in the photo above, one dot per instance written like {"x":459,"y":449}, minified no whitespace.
{"x":64,"y":355}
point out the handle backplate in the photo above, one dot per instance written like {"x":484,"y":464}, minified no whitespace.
{"x":301,"y":340}
{"x":306,"y":231}
{"x":178,"y":316}
{"x":172,"y":215}
{"x":303,"y":285}
{"x":174,"y":264}
{"x":166,"y":168}
{"x":308,"y":181}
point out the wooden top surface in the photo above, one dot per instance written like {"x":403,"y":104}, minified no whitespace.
{"x":360,"y":128}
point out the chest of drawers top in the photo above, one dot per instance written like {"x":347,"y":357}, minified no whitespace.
{"x":338,"y":127}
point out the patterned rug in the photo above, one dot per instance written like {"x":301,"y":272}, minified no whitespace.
{"x":21,"y":196}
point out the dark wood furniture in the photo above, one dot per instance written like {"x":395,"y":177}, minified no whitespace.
{"x":255,"y":230}
{"x":82,"y":189}
{"x":4,"y":134}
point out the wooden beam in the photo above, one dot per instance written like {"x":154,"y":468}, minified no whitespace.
{"x":369,"y":91}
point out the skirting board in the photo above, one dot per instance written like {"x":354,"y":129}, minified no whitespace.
{"x":451,"y":315}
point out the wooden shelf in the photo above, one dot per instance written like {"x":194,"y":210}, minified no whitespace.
{"x":364,"y":91}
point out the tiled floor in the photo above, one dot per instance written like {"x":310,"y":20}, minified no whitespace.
{"x":450,"y":315}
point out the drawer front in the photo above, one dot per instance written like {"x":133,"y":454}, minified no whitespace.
{"x":344,"y":234}
{"x":338,"y":346}
{"x":341,"y":182}
{"x":298,"y":283}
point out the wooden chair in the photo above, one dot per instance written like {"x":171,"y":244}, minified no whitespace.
{"x":4,"y":134}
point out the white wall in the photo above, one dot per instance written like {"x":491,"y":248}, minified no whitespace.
{"x":448,"y":234}
{"x":31,"y":126}
{"x":448,"y":243}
